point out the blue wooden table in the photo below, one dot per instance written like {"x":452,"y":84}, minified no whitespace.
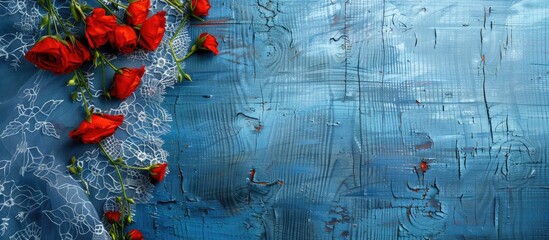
{"x":383,"y":119}
{"x":319,"y":119}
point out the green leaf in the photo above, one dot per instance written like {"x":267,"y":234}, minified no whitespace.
{"x":45,"y":21}
{"x":74,"y":95}
{"x":72,"y":169}
{"x":75,"y":15}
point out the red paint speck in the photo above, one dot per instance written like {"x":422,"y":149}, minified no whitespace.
{"x":423,"y":166}
{"x":252,"y":175}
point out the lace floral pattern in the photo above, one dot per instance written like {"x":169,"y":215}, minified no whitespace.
{"x":34,"y":180}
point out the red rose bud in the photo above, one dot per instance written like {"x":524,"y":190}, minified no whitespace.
{"x":158,"y":171}
{"x":124,"y":39}
{"x":126,"y":82}
{"x":200,"y":8}
{"x":152,"y":31}
{"x":112,"y":216}
{"x":99,"y":27}
{"x":57,"y":56}
{"x":207,"y":42}
{"x":137,"y":12}
{"x":100,"y":127}
{"x":134,"y":234}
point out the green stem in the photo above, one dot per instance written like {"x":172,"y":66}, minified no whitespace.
{"x":117,"y":171}
{"x":105,"y":93}
{"x":170,"y":43}
{"x":189,"y":54}
{"x":175,"y":6}
{"x":180,"y":27}
{"x":105,"y":60}
{"x":85,"y":184}
{"x":82,"y":80}
{"x":79,"y":9}
{"x":81,"y":90}
{"x":59,"y":19}
{"x":124,"y":211}
{"x":134,"y":167}
{"x":49,"y":24}
{"x":118,"y":4}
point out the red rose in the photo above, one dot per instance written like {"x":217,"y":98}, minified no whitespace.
{"x":99,"y":27}
{"x":112,"y":216}
{"x":158,"y":171}
{"x":53,"y":55}
{"x":135,"y":234}
{"x":200,"y":8}
{"x":137,"y":12}
{"x":124,"y":39}
{"x":207,"y":42}
{"x":100,"y":127}
{"x":78,"y":54}
{"x":126,"y":82}
{"x":152,"y":31}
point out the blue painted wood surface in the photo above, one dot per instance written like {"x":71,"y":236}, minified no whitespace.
{"x":342,"y":101}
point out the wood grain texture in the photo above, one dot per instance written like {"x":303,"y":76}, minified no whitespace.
{"x":343,"y":100}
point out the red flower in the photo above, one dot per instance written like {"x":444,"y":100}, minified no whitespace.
{"x":112,"y":216}
{"x":100,"y":127}
{"x":137,"y":12}
{"x":158,"y":171}
{"x":53,"y":55}
{"x":152,"y":31}
{"x":124,"y":39}
{"x":126,"y":82}
{"x":78,"y":55}
{"x":135,"y":234}
{"x":207,"y":42}
{"x":99,"y":27}
{"x":200,"y":8}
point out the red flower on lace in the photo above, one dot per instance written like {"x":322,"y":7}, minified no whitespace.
{"x":112,"y":216}
{"x":78,"y":54}
{"x":158,"y":171}
{"x":207,"y":42}
{"x":126,"y":82}
{"x":200,"y":8}
{"x":99,"y":27}
{"x":137,"y":12}
{"x":152,"y":31}
{"x":134,"y":234}
{"x":100,"y":127}
{"x":124,"y":39}
{"x":57,"y":56}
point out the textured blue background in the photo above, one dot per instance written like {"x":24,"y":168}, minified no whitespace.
{"x":342,"y":100}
